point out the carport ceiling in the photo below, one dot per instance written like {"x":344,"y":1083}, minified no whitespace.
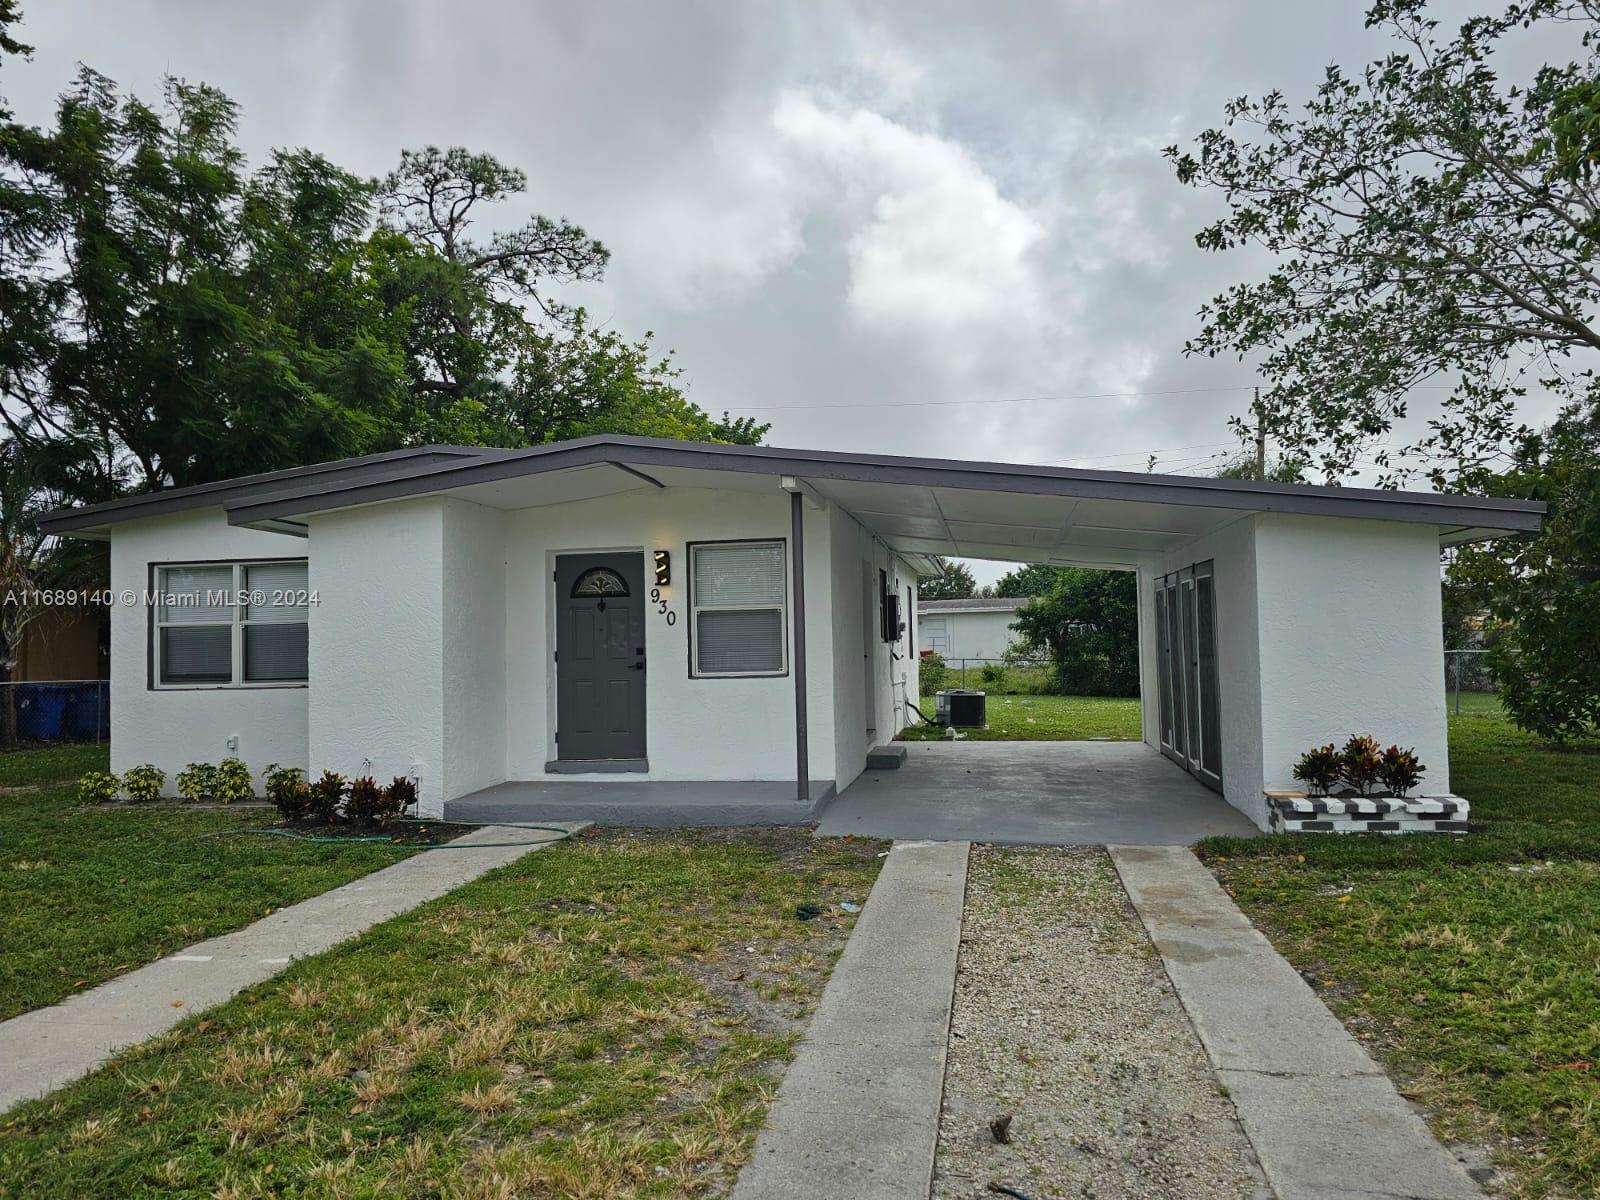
{"x":1019,"y":528}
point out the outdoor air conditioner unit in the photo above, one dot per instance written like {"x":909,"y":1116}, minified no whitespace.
{"x":961,"y":708}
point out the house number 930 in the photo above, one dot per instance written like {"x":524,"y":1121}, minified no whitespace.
{"x":661,"y":606}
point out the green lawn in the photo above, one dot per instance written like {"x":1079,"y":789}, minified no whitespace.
{"x":1471,"y":965}
{"x":24,"y":768}
{"x":86,"y":894}
{"x":1043,"y":719}
{"x":604,"y":1018}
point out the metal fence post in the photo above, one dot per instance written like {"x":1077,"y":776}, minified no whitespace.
{"x":1457,"y":658}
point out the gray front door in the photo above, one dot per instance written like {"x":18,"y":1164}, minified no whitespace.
{"x":600,"y":656}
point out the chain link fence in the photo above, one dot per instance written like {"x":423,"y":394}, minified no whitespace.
{"x":63,"y":710}
{"x":999,"y":676}
{"x":1468,"y":685}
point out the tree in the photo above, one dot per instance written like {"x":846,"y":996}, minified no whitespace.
{"x":184,"y":320}
{"x":168,"y":316}
{"x":955,"y":583}
{"x":1430,"y":221}
{"x":1088,"y":625}
{"x":1436,"y":224}
{"x":1279,"y":470}
{"x":1033,"y":579}
{"x":1542,"y":595}
{"x":492,"y":356}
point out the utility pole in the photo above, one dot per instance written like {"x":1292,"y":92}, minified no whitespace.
{"x":1261,"y":437}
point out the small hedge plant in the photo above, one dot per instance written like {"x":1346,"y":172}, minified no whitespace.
{"x":375,"y":806}
{"x":98,"y":787}
{"x":1359,"y":762}
{"x":1399,"y":770}
{"x":233,"y":782}
{"x":288,"y":790}
{"x":1318,"y":769}
{"x":364,"y":804}
{"x":325,"y":796}
{"x":143,"y":783}
{"x":196,"y":782}
{"x":402,"y":794}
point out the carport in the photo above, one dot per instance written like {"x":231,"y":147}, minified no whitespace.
{"x":1033,"y":793}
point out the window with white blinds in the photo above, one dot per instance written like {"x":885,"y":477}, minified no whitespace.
{"x":738,"y":597}
{"x":231,"y":624}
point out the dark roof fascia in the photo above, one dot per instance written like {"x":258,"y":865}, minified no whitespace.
{"x":1243,"y":495}
{"x":172,"y":500}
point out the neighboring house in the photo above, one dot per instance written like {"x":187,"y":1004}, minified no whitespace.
{"x":471,"y":617}
{"x":978,"y":627}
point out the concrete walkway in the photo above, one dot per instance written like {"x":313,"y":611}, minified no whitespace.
{"x":857,"y":1114}
{"x":1325,"y":1121}
{"x":48,"y":1047}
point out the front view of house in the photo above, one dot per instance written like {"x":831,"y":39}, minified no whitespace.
{"x":625,"y":608}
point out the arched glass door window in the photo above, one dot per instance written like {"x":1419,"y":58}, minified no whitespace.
{"x":597,"y":583}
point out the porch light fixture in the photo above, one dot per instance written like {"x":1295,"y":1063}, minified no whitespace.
{"x":663,"y":568}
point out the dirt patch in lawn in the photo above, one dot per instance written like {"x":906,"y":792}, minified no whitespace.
{"x":1065,"y":1024}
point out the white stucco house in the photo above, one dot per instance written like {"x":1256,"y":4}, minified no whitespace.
{"x":977,"y":628}
{"x":736,"y":618}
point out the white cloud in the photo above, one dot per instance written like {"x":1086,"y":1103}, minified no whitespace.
{"x":934,"y":249}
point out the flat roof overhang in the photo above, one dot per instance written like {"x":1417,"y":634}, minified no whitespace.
{"x":918,"y":506}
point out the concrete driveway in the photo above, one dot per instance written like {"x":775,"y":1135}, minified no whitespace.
{"x":1042,"y":793}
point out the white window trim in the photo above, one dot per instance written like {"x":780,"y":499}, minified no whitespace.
{"x":158,"y":572}
{"x":695,"y":609}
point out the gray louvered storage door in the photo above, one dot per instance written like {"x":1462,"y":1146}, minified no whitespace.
{"x":1188,"y":673}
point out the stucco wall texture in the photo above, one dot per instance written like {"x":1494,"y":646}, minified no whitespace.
{"x":431,"y":644}
{"x":173,"y":727}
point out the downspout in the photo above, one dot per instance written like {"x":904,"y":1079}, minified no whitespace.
{"x":797,"y":551}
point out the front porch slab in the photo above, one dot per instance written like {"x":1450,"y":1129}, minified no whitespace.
{"x":655,"y":804}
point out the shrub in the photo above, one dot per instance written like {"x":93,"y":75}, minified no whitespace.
{"x":288,"y":791}
{"x":98,"y":787}
{"x":1318,"y":769}
{"x":933,"y":674}
{"x":402,"y":794}
{"x":365,"y":803}
{"x":994,"y":676}
{"x":1359,"y":762}
{"x":324,"y":796}
{"x":143,"y":783}
{"x":234,"y":783}
{"x":197,"y":782}
{"x":1399,"y":770}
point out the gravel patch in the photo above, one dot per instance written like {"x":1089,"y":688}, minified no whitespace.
{"x":1065,"y":1020}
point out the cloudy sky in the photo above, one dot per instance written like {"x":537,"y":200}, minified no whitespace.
{"x":929,"y":227}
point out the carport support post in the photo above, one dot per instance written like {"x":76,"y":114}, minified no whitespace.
{"x":797,"y":551}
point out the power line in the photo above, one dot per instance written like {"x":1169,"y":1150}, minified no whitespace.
{"x":1005,"y":400}
{"x":1138,"y":453}
{"x":860,"y":407}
